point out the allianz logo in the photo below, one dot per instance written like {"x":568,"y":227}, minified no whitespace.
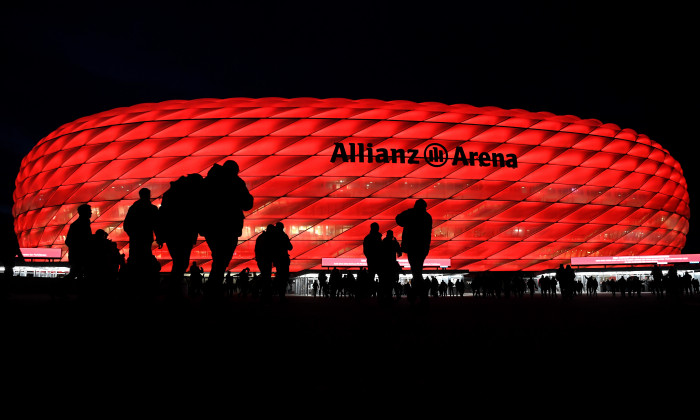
{"x":434,"y":154}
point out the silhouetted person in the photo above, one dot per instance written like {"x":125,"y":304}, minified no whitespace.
{"x":334,"y":281}
{"x":228,"y":284}
{"x":622,"y":286}
{"x":349,"y":283}
{"x":196,"y":279}
{"x":591,"y":286}
{"x":398,"y":287}
{"x":102,"y":266}
{"x":415,"y":242}
{"x":570,"y":279}
{"x":10,"y":252}
{"x":566,"y":281}
{"x":638,"y":286}
{"x":442,"y":288}
{"x":264,"y":244}
{"x":406,"y":289}
{"x":254,"y":287}
{"x":389,"y":267}
{"x":476,"y":286}
{"x":226,"y":198}
{"x":459,"y":286}
{"x":78,"y":241}
{"x":178,"y":218}
{"x":672,"y":282}
{"x":280,"y":259}
{"x":244,"y":282}
{"x":323,"y":283}
{"x":657,"y":279}
{"x":531,"y":286}
{"x":371,"y":248}
{"x":363,"y":284}
{"x":140,"y":225}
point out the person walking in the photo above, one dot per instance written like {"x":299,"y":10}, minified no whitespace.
{"x":178,"y":225}
{"x":226,"y":198}
{"x":281,"y":260}
{"x":78,"y":240}
{"x":141,"y":224}
{"x":389,"y":268}
{"x":371,"y":248}
{"x":264,"y":245}
{"x":415,"y":242}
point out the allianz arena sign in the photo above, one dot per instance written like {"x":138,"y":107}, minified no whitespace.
{"x":507,"y":189}
{"x":434,"y":154}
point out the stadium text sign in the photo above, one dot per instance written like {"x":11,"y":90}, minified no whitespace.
{"x":434,"y":154}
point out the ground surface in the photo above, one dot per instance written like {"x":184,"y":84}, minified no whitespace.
{"x":466,"y":348}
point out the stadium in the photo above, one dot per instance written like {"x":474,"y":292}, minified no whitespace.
{"x":508,"y":190}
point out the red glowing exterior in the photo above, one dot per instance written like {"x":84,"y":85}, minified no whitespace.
{"x":580,"y":188}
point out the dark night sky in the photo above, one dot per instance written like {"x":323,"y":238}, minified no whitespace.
{"x":631,"y":66}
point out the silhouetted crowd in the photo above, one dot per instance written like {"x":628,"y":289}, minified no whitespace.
{"x":335,"y":284}
{"x":272,"y":249}
{"x":194,"y":205}
{"x":498,"y":285}
{"x":213,"y":207}
{"x":670,"y":284}
{"x":381,"y":254}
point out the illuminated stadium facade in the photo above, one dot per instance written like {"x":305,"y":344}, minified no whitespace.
{"x":507,"y":189}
